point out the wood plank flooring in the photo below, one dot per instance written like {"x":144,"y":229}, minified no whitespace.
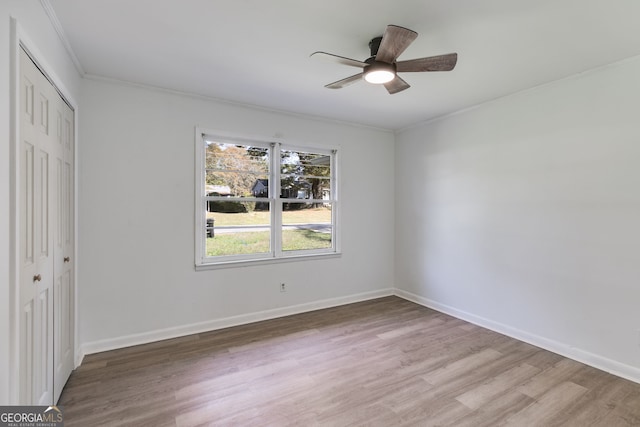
{"x":385,"y":362}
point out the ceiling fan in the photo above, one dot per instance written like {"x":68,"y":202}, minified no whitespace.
{"x":382,"y":68}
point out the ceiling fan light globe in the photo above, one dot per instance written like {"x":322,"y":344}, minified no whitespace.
{"x":379,"y":76}
{"x":378,"y":72}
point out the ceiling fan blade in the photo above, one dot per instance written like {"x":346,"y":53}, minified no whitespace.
{"x":340,"y":59}
{"x":433,"y":63}
{"x":396,"y":85}
{"x":345,"y":82}
{"x":394,"y":41}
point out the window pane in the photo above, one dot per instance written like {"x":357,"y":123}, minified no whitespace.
{"x":304,"y":175}
{"x":306,"y":226}
{"x":236,"y":169}
{"x":246,"y":231}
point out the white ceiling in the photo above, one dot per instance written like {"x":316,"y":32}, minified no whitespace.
{"x":256,"y":52}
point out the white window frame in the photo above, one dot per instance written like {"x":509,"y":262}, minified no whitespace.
{"x":275,"y":145}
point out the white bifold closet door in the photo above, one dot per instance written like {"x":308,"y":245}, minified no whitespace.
{"x":46,"y":208}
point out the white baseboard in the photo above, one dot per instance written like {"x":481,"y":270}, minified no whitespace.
{"x":622,"y":370}
{"x":211,"y":325}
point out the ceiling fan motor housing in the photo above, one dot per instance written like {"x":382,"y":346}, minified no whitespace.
{"x":372,"y":64}
{"x":373,"y":71}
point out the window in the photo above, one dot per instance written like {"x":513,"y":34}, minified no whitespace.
{"x":260,"y":200}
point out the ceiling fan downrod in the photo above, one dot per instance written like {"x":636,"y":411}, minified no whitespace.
{"x":374,"y":45}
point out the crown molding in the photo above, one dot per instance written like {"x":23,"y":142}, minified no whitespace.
{"x":48,"y":9}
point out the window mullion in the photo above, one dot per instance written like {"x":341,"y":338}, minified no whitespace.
{"x":276,"y":211}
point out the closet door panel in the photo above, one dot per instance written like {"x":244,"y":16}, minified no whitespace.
{"x":37,"y":213}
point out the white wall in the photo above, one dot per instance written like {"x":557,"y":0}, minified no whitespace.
{"x":34,"y":26}
{"x":523,"y":214}
{"x":136,"y":209}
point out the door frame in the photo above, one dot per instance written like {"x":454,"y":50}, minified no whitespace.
{"x":19,"y":39}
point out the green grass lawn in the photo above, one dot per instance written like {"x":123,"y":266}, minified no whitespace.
{"x":258,"y":242}
{"x":302,"y":216}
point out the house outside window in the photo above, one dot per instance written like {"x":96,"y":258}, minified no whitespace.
{"x":261,"y":201}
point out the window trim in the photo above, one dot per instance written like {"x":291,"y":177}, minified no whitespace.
{"x":275,"y":145}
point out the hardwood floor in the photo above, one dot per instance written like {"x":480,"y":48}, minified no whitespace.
{"x":386,"y":362}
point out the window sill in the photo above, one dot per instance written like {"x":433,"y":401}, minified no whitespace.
{"x":265,"y":261}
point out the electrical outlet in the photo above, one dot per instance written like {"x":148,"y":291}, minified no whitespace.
{"x":283,"y":287}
